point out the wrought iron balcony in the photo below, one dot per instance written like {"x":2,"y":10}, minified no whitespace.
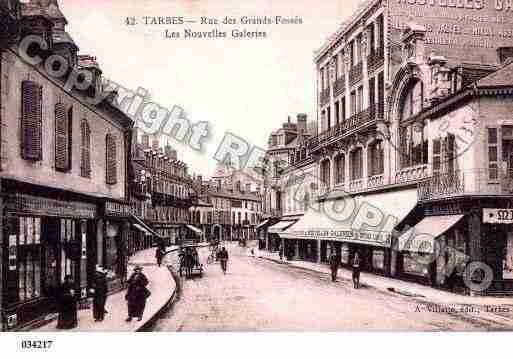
{"x":355,"y":73}
{"x":477,"y":182}
{"x":353,"y":124}
{"x":165,"y":199}
{"x":324,"y":96}
{"x":339,"y":87}
{"x":375,"y":59}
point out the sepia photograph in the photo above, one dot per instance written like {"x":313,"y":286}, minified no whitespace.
{"x":235,"y":166}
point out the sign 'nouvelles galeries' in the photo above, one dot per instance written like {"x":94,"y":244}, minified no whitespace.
{"x":460,"y":29}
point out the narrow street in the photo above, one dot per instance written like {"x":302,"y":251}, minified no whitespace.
{"x":260,"y":295}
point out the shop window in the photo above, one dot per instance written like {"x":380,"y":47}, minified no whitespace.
{"x":31,"y":120}
{"x":340,"y":168}
{"x":25,"y":264}
{"x":376,"y":158}
{"x":356,"y":164}
{"x":378,"y":259}
{"x":415,"y":263}
{"x":493,"y":160}
{"x":111,"y":160}
{"x":63,"y":137}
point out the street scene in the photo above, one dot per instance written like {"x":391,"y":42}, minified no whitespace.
{"x":231,"y":178}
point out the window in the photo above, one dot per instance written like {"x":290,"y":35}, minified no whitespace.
{"x":356,"y":159}
{"x":372,"y":92}
{"x":343,"y":109}
{"x":63,"y":136}
{"x":31,"y":120}
{"x":376,"y":158}
{"x":328,"y":110}
{"x":353,"y":103}
{"x":351,"y":53}
{"x":24,"y":276}
{"x":335,"y":65}
{"x":493,"y":160}
{"x":337,"y":113}
{"x":381,"y":33}
{"x":340,"y":164}
{"x":111,"y":160}
{"x":437,"y":150}
{"x":360,"y":99}
{"x":325,"y":172}
{"x":372,"y":37}
{"x":358,"y":54}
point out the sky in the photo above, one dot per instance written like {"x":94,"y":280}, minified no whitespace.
{"x":247,"y":87}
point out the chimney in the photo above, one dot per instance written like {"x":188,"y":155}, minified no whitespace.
{"x":155,"y":144}
{"x":301,"y":122}
{"x":505,"y":55}
{"x":145,"y":141}
{"x":248,"y":187}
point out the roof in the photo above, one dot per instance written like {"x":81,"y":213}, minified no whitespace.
{"x":502,"y":77}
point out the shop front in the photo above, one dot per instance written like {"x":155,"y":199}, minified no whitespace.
{"x":276,"y":243}
{"x":43,"y":241}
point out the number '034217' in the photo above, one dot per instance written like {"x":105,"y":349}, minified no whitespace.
{"x":36,"y":344}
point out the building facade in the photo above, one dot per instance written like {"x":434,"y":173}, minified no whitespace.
{"x":63,"y":171}
{"x":161,"y":193}
{"x":414,"y":117}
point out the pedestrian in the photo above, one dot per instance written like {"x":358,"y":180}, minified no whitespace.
{"x":67,"y":304}
{"x":334,"y":261}
{"x":100,"y":295}
{"x":356,"y":270}
{"x":223,"y":257}
{"x":159,"y":255}
{"x":137,"y":294}
{"x":281,"y":253}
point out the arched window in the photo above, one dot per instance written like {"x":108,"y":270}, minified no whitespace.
{"x":85,"y":149}
{"x":376,"y":158}
{"x":356,"y":164}
{"x":413,"y":144}
{"x":340,"y":168}
{"x":326,"y":172}
{"x":111,"y":159}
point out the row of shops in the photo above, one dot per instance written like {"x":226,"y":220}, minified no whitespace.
{"x":456,"y":245}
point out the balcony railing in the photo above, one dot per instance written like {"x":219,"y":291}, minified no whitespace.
{"x":165,"y":199}
{"x":376,"y":181}
{"x":339,"y":87}
{"x":461,"y":183}
{"x":375,"y":60}
{"x":356,"y":185}
{"x":359,"y":120}
{"x":324,"y":96}
{"x":413,"y":173}
{"x":355,"y":73}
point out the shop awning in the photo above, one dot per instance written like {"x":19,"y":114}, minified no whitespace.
{"x":280,"y":226}
{"x":143,"y":227}
{"x":262,"y":224}
{"x":421,"y":238}
{"x":364,"y":219}
{"x":194,"y":229}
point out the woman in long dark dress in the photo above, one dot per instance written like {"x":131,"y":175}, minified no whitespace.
{"x":100,"y":295}
{"x":137,"y":294}
{"x":67,"y":305}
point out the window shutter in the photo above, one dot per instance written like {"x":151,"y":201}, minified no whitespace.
{"x":31,"y":120}
{"x":85,"y":165}
{"x":62,"y":138}
{"x":111,"y":165}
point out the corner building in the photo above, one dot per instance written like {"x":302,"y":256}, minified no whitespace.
{"x":415,"y":130}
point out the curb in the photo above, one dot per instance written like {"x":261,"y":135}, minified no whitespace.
{"x":175,"y":296}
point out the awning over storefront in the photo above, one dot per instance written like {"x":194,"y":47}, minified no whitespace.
{"x":280,"y":226}
{"x":194,"y":229}
{"x":262,"y":224}
{"x":363,"y":219}
{"x":421,"y":238}
{"x":143,"y":227}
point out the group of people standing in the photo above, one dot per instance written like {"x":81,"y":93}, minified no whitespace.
{"x":335,"y":261}
{"x":136,"y":296}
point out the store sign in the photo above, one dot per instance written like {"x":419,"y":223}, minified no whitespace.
{"x":115,"y":209}
{"x":49,"y":207}
{"x":498,"y":215}
{"x":380,"y":239}
{"x":468,"y":30}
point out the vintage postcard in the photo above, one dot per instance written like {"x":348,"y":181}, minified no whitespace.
{"x":255,"y":165}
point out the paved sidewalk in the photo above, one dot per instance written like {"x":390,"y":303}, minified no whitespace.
{"x":162,"y":287}
{"x":383,"y":283}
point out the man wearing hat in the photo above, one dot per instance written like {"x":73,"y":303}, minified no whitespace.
{"x":100,"y":294}
{"x":137,"y":294}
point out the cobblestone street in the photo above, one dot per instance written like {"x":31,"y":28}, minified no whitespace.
{"x":260,"y":295}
